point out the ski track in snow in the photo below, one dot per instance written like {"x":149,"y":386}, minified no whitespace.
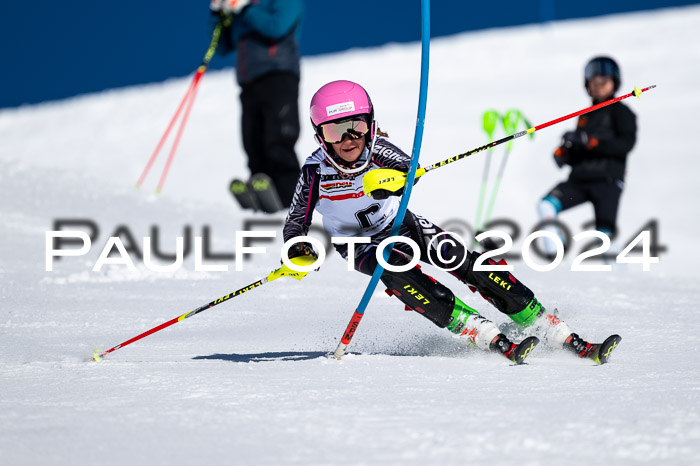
{"x":250,"y":381}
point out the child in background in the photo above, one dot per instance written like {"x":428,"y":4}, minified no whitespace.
{"x":597,"y":153}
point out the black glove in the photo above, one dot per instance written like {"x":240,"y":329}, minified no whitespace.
{"x":302,"y":249}
{"x":382,"y":194}
{"x":575,"y":140}
{"x":561,"y":157}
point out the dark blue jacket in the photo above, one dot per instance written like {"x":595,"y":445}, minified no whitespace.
{"x":265,"y":38}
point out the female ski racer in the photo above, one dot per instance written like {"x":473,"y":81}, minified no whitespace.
{"x":331,"y":182}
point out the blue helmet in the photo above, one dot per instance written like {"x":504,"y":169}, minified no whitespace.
{"x":602,"y":66}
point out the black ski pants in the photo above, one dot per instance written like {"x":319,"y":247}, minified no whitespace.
{"x":270,"y":125}
{"x":603,"y":194}
{"x":500,"y":288}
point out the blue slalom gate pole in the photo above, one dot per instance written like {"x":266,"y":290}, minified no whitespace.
{"x":417,"y":140}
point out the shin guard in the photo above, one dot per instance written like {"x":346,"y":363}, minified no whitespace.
{"x":500,"y":287}
{"x":421,"y":293}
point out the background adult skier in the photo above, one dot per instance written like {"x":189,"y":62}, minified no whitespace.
{"x":265,"y":36}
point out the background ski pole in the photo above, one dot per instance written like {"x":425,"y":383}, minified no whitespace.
{"x":171,"y":155}
{"x":490,"y":120}
{"x":387,"y":179}
{"x":155,"y":153}
{"x":510,"y":121}
{"x":283,"y":271}
{"x":187,"y":100}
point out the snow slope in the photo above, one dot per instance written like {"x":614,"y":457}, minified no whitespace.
{"x":249,"y":382}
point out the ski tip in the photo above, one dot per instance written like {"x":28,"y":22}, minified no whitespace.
{"x":638,"y":92}
{"x":158,"y":191}
{"x":606,"y":348}
{"x":524,"y":349}
{"x":237,"y":186}
{"x":96,"y":356}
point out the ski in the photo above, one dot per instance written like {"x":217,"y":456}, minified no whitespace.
{"x":263,"y":188}
{"x":521,"y":351}
{"x":598,"y":352}
{"x":514,"y":352}
{"x":601,"y":354}
{"x":243,"y":195}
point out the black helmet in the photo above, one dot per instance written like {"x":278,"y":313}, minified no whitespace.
{"x":602,"y":66}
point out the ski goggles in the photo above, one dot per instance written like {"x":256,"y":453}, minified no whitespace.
{"x":334,"y":133}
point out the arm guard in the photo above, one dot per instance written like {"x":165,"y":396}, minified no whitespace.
{"x":303,"y":203}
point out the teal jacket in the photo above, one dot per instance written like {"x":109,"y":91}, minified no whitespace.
{"x":265,"y":37}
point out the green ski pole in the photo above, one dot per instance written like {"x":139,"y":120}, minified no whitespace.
{"x":510,"y":121}
{"x":489,"y":120}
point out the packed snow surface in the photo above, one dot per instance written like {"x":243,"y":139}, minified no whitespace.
{"x":250,"y":381}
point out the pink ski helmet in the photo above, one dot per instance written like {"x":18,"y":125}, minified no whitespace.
{"x":338,"y":101}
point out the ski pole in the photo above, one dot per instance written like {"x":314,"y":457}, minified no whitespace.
{"x":510,"y":124}
{"x":490,"y":118}
{"x":187,"y":99}
{"x":283,"y":271}
{"x":165,"y":135}
{"x":389,"y":180}
{"x":178,"y":135}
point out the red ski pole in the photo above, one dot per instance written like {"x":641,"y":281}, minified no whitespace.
{"x":165,"y":135}
{"x":283,"y":271}
{"x":388,"y":180}
{"x":635,"y":93}
{"x":98,"y":355}
{"x":193,"y":94}
{"x":187,"y":99}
